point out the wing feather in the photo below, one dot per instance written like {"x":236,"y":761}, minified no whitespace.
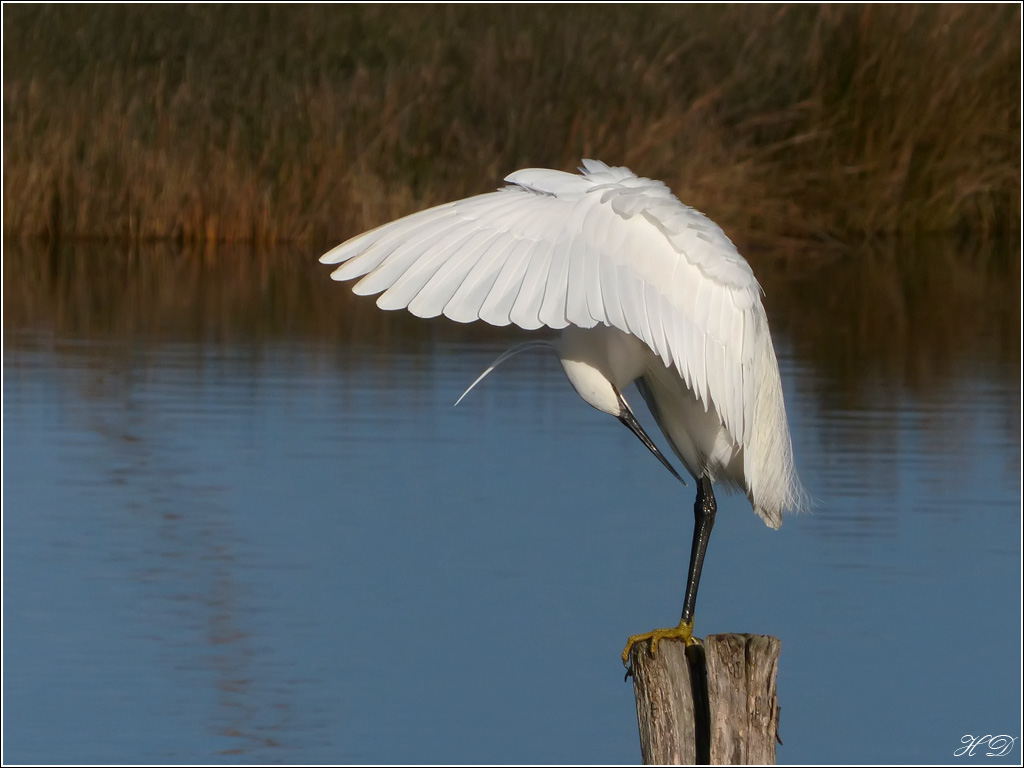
{"x":367,"y":253}
{"x":556,"y":287}
{"x":497,"y":307}
{"x":599,"y":231}
{"x":526,"y":310}
{"x":421,"y":266}
{"x":402,"y":256}
{"x":466,"y":304}
{"x":449,"y":268}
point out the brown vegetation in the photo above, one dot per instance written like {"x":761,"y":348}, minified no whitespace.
{"x":280,"y":123}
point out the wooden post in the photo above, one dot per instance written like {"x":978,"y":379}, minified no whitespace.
{"x":738,"y":678}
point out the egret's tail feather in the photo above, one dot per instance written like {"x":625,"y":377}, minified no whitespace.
{"x":512,"y":352}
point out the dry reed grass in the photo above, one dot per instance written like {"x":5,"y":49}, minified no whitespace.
{"x":308,"y":123}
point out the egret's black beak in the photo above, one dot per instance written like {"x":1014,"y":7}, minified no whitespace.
{"x":626,"y":417}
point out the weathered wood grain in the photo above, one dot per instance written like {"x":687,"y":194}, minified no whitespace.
{"x":741,"y":675}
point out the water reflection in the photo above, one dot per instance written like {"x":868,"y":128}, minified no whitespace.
{"x":138,"y":501}
{"x":871,"y":338}
{"x":914,"y":314}
{"x":222,"y":470}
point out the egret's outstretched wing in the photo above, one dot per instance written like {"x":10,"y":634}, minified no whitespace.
{"x":554,"y":249}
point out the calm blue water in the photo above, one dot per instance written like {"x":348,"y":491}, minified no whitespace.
{"x":289,"y":550}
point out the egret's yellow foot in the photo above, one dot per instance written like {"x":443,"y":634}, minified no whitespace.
{"x":683,"y":632}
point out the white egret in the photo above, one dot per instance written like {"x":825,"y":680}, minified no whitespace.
{"x":645,"y":290}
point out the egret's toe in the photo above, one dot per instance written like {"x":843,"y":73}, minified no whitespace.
{"x":683,"y":632}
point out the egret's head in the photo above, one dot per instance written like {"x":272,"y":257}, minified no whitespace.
{"x":591,"y":383}
{"x":601,"y":362}
{"x":593,"y":377}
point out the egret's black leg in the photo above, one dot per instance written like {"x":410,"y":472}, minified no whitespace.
{"x":704,"y":509}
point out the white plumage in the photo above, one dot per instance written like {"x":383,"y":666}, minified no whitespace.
{"x":648,"y":289}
